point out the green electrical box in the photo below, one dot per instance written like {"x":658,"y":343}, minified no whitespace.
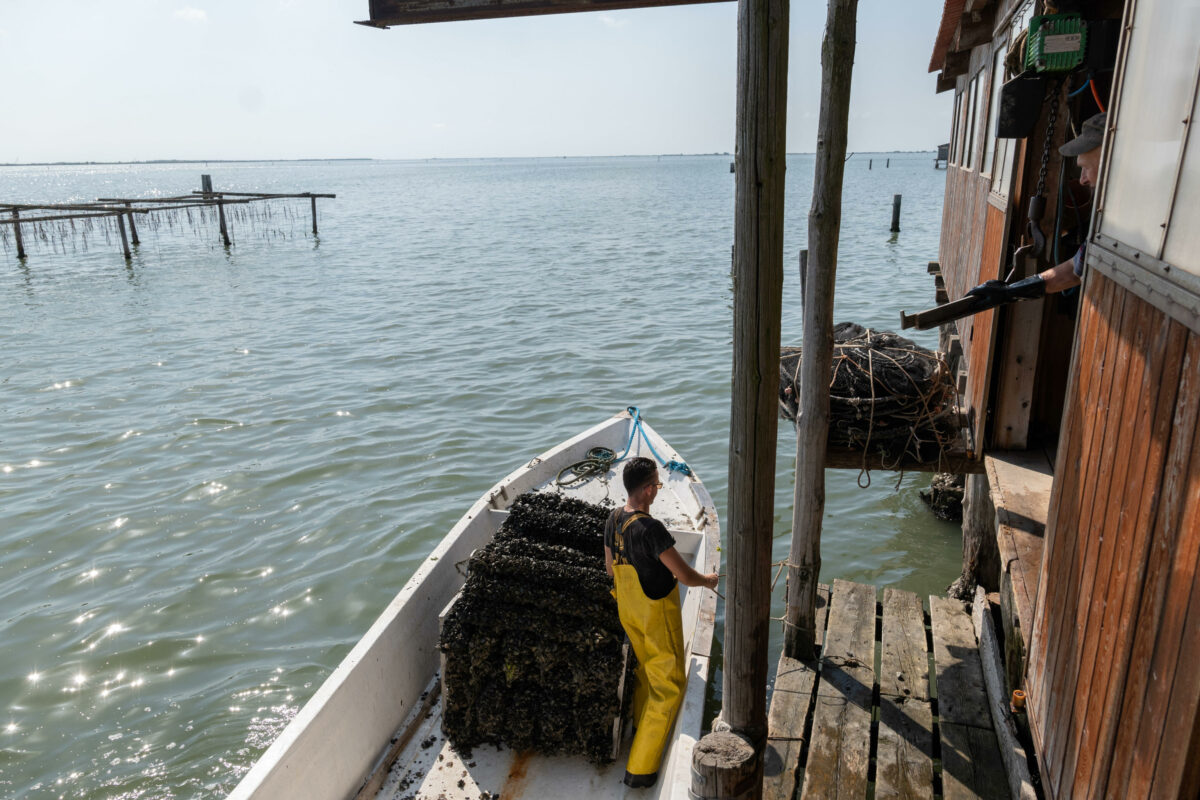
{"x":1056,"y":43}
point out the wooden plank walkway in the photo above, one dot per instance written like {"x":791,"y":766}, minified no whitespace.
{"x":896,"y":705}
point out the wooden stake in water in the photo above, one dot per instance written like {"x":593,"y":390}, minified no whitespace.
{"x":314,"y":209}
{"x":896,"y":213}
{"x":17,"y":230}
{"x":221,"y":217}
{"x":132,"y":228}
{"x":124,"y":239}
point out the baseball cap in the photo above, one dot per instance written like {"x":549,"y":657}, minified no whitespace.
{"x":1089,"y":138}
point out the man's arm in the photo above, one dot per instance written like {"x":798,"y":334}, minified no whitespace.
{"x":608,"y":561}
{"x":1060,"y":277}
{"x":684,"y":573}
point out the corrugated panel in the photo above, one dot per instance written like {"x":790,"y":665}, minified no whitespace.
{"x":1114,"y":696}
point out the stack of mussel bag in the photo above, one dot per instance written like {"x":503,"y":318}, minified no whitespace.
{"x":532,"y":648}
{"x":887,"y":395}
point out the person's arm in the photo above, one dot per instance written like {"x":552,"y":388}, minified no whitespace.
{"x":1060,"y":277}
{"x":608,"y":561}
{"x":683,"y":572}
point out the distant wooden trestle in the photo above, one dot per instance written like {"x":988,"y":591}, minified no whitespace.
{"x":917,"y":725}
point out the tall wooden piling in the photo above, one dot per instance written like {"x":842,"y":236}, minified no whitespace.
{"x":314,"y":210}
{"x":16,"y":215}
{"x":124,"y":239}
{"x":895,"y":213}
{"x":758,"y":284}
{"x":812,"y":425}
{"x":221,"y":218}
{"x":132,"y":227}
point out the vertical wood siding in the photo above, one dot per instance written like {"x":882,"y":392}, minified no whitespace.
{"x":967,"y":259}
{"x":1112,"y":675}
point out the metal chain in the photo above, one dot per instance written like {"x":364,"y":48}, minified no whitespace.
{"x":1041,"y":183}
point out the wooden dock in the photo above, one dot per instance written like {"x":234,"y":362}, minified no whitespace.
{"x":896,"y":704}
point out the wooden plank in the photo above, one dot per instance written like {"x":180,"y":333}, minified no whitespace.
{"x":385,"y":13}
{"x":971,"y":766}
{"x":1014,"y":389}
{"x":840,"y":746}
{"x":1012,"y":753}
{"x":1155,"y":587}
{"x":904,"y":657}
{"x":791,"y":703}
{"x":904,"y":753}
{"x":824,"y":225}
{"x":1120,"y":616}
{"x":961,"y":699}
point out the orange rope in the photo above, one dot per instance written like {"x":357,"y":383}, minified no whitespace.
{"x":1096,"y":96}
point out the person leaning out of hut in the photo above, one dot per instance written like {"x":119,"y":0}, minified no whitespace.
{"x":640,"y":556}
{"x":1086,"y":149}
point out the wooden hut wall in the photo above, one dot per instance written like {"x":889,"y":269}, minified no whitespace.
{"x":1114,"y":690}
{"x":967,"y":258}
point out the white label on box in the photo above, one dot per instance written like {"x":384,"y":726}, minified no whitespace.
{"x":1062,"y":43}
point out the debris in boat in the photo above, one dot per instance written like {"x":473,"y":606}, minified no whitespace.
{"x":945,"y":496}
{"x":533,"y":644}
{"x":887,"y":395}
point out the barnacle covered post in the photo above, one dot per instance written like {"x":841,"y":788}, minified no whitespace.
{"x":812,"y":429}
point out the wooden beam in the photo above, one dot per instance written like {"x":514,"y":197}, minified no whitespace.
{"x":974,"y":29}
{"x":956,"y":64}
{"x":386,"y":13}
{"x":945,"y":83}
{"x":263,"y":195}
{"x":812,"y":428}
{"x":954,"y":461}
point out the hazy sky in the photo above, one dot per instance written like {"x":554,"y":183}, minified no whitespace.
{"x":144,"y":79}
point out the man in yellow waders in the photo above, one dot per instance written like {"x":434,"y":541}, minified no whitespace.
{"x":640,"y":556}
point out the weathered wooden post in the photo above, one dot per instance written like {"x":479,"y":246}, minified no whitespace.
{"x":206,"y":184}
{"x":758,"y":283}
{"x":124,"y":238}
{"x":132,"y":227}
{"x":314,"y":209}
{"x":895,"y":213}
{"x":803,"y":276}
{"x":221,"y":217}
{"x":812,"y":424}
{"x":17,"y":232}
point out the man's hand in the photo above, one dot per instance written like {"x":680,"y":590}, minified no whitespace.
{"x":996,"y":293}
{"x":710,"y":580}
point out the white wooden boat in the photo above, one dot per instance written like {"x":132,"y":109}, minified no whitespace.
{"x":373,"y":729}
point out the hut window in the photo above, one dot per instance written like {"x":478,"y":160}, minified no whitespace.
{"x":1156,"y":98}
{"x":955,"y":128}
{"x":1182,"y":246}
{"x":989,"y":131}
{"x":972,"y":124}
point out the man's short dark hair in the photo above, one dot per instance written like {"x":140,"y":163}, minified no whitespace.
{"x":639,"y":471}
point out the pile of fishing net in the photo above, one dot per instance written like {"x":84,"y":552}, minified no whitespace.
{"x":887,"y":395}
{"x":533,"y":646}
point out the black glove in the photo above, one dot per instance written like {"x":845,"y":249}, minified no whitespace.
{"x":996,"y":293}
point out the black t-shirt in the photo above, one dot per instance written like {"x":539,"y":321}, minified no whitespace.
{"x":645,"y":540}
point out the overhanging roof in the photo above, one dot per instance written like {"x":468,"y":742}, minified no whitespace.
{"x":951,"y":14}
{"x":385,"y":13}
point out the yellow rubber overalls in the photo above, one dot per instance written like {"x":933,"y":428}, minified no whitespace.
{"x":655,"y":629}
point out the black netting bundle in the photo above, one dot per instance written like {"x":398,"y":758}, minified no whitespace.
{"x":887,"y":395}
{"x":533,"y":644}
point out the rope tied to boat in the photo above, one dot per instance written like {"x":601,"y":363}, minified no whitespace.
{"x":599,"y":460}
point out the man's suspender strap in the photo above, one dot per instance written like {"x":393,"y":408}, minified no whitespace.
{"x":619,"y":537}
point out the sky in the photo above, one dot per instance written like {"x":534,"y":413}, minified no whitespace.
{"x":249,"y":79}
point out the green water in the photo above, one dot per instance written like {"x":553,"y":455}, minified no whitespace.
{"x":217,"y":467}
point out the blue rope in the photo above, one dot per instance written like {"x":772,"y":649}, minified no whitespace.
{"x":673,"y":466}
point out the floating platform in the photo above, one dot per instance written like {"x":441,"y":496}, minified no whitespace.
{"x":896,"y":705}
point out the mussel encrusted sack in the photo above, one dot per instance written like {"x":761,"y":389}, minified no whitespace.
{"x":533,"y":644}
{"x":887,"y":395}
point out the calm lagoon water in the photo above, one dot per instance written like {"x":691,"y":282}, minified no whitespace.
{"x":218,"y":466}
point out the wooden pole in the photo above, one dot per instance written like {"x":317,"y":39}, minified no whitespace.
{"x":124,"y":238}
{"x":16,"y":215}
{"x":221,"y":216}
{"x":723,"y":767}
{"x":812,"y":427}
{"x":206,"y":184}
{"x":803,"y":277}
{"x":132,"y":227}
{"x":981,"y":555}
{"x":314,"y":209}
{"x":754,"y":415}
{"x":895,"y":213}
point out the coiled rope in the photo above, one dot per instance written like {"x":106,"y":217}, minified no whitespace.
{"x":599,"y":460}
